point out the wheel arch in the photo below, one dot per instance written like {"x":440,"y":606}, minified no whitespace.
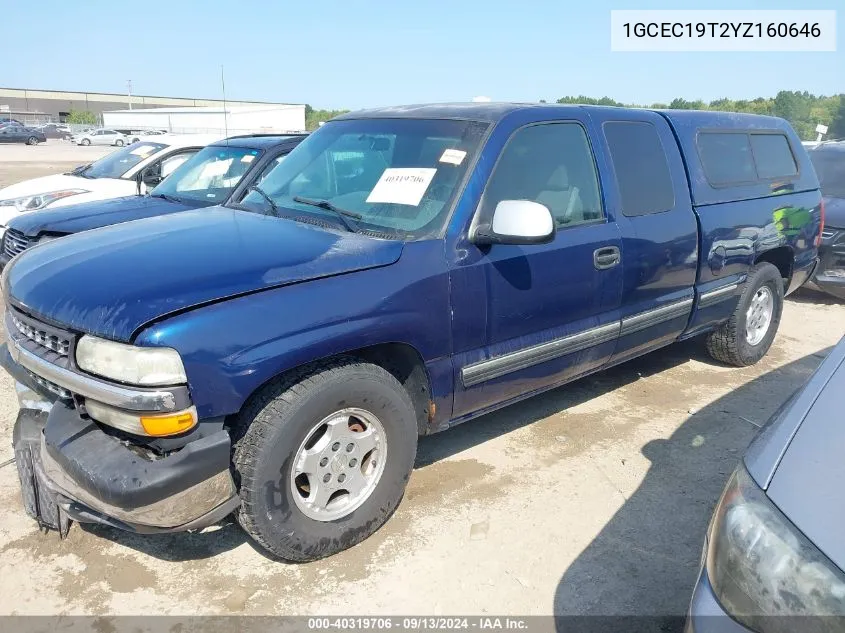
{"x":403,"y":361}
{"x":782,"y":258}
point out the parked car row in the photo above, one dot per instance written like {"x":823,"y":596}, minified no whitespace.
{"x":114,"y":175}
{"x":219,"y":173}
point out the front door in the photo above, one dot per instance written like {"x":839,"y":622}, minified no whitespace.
{"x":528,"y":317}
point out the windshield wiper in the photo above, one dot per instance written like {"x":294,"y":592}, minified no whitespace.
{"x":266,"y":197}
{"x":167,"y":197}
{"x":80,"y":171}
{"x":341,"y":214}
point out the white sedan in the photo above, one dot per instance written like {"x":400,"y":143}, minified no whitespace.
{"x":100,"y":136}
{"x":125,"y":172}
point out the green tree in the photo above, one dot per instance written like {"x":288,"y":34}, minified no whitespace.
{"x":837,"y":125}
{"x":313,"y":117}
{"x":83,"y":117}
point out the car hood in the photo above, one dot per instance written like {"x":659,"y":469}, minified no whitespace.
{"x":93,"y":215}
{"x":807,"y":483}
{"x":834,"y":212}
{"x":58,"y":182}
{"x":112,"y":281}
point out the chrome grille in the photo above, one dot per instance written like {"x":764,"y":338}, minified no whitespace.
{"x":828,"y":233}
{"x":50,"y":386}
{"x":52,"y":340}
{"x":15,"y":242}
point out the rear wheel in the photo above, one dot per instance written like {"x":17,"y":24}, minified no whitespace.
{"x":323,"y":458}
{"x":32,"y":141}
{"x":746,"y":337}
{"x":119,"y":143}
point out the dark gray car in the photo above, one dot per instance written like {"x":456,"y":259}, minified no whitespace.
{"x":774,"y":554}
{"x":21,"y":134}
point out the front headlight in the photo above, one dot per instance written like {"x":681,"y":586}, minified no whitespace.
{"x":761,"y":566}
{"x":145,"y":366}
{"x":33,"y":203}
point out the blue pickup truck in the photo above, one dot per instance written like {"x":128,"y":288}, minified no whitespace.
{"x":404,"y":270}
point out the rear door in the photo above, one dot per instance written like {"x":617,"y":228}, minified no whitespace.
{"x":529,"y":317}
{"x":652,"y":204}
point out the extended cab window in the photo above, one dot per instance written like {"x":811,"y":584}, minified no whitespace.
{"x":642,"y":171}
{"x":551,"y":164}
{"x":772,"y":156}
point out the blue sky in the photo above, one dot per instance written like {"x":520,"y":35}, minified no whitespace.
{"x":334,"y":53}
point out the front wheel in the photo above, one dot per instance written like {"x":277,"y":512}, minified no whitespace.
{"x":32,"y":141}
{"x":746,"y":337}
{"x":85,"y":141}
{"x":118,"y":143}
{"x":323,"y":458}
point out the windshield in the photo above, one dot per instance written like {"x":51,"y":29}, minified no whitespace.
{"x":398,"y":175}
{"x":830,"y":168}
{"x":116,"y":164}
{"x":209,"y":176}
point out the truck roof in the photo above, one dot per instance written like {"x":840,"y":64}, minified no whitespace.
{"x":491,"y":112}
{"x":259,"y":141}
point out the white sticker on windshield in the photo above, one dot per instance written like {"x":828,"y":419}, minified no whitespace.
{"x":453,"y":156}
{"x":143,"y":151}
{"x":217,"y":168}
{"x":406,"y":185}
{"x":248,"y":158}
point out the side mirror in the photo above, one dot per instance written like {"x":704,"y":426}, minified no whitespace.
{"x":151,"y":178}
{"x":517,"y":222}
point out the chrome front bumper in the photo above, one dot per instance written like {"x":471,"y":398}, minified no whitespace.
{"x":69,"y":468}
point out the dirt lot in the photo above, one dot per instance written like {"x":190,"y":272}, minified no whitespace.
{"x":19,"y":162}
{"x":591,"y":499}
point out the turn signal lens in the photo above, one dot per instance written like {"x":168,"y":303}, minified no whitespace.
{"x":161,"y":425}
{"x":142,"y":423}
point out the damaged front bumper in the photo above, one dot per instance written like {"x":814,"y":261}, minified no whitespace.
{"x":71,"y":468}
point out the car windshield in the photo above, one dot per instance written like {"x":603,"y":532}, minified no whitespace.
{"x":209,"y":176}
{"x":116,"y":164}
{"x":830,"y":168}
{"x":397,"y":177}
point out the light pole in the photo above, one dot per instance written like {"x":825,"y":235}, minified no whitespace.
{"x":129,"y":92}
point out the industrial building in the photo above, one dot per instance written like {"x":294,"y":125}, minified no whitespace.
{"x":227,"y":121}
{"x":40,"y":106}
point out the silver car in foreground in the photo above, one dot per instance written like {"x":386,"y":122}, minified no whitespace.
{"x":774,"y":554}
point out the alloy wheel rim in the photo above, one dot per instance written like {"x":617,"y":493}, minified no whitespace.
{"x":339,"y":464}
{"x":758,"y":317}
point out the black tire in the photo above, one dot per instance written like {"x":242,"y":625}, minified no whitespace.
{"x":32,"y":141}
{"x":119,"y":143}
{"x":729,"y":343}
{"x":275,"y":423}
{"x":85,"y":141}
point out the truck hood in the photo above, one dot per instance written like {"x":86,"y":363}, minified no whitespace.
{"x":93,"y":215}
{"x":834,"y":212}
{"x":111,"y":281}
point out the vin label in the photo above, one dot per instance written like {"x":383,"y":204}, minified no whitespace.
{"x":723,"y":30}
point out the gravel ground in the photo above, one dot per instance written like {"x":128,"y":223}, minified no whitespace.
{"x":590,"y":499}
